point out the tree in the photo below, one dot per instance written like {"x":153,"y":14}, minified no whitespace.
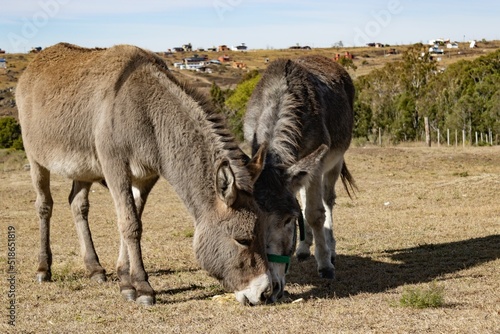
{"x":10,"y":134}
{"x":236,"y":103}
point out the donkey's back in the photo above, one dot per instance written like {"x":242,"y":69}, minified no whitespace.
{"x":76,"y":87}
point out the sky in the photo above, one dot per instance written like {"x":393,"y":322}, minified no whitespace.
{"x":159,"y":25}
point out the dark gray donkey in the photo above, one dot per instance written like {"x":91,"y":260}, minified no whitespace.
{"x":304,"y":109}
{"x":119,"y":115}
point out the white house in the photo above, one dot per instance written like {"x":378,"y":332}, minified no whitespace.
{"x":3,"y":63}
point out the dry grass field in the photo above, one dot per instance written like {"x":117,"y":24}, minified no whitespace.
{"x":423,"y":218}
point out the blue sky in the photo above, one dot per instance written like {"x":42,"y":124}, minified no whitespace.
{"x":159,"y":25}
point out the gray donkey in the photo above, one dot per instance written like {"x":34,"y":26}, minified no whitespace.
{"x":304,"y":109}
{"x":118,"y":116}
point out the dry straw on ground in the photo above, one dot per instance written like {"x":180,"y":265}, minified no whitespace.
{"x":422,"y":217}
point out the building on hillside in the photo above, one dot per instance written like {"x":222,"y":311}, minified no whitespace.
{"x":193,"y":63}
{"x":223,"y":48}
{"x":346,"y":55}
{"x":224,"y":59}
{"x":240,"y":65}
{"x":3,"y":63}
{"x":241,"y":47}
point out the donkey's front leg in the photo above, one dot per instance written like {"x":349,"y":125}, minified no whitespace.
{"x":130,"y":227}
{"x":315,"y":217}
{"x":140,"y":190}
{"x":304,"y":249}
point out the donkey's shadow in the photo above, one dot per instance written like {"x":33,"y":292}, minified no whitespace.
{"x":425,"y":263}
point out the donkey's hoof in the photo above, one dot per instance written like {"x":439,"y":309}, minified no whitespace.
{"x":328,"y":273}
{"x":128,"y":294}
{"x":99,"y":278}
{"x":303,"y":256}
{"x":43,"y":277}
{"x":145,"y":300}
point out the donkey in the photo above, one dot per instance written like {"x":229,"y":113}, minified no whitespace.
{"x":304,"y":109}
{"x":119,"y":116}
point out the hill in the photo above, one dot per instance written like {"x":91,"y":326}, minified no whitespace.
{"x":226,"y":75}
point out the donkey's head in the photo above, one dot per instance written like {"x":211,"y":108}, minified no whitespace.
{"x":229,"y":241}
{"x":275,"y":192}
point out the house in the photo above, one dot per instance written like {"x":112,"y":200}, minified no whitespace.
{"x":223,"y":48}
{"x":3,"y":63}
{"x":435,"y":50}
{"x":452,"y":45}
{"x":193,"y":63}
{"x":178,"y":49}
{"x":240,"y":65}
{"x":298,"y":47}
{"x":472,"y":44}
{"x":187,"y":47}
{"x":439,"y":41}
{"x":346,"y":55}
{"x":241,"y":47}
{"x":2,"y":51}
{"x":204,"y":69}
{"x":224,"y":59}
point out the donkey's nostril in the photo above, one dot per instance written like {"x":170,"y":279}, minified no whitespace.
{"x":266,"y":294}
{"x":276,"y":286}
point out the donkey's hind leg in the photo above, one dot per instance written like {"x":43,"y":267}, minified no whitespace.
{"x":40,"y":177}
{"x":79,"y":201}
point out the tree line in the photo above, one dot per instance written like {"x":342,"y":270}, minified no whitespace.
{"x":395,"y":98}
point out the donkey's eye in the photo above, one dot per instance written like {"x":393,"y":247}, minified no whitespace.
{"x":243,"y":242}
{"x":289,"y":220}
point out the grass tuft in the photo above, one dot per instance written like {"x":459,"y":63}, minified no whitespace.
{"x":423,"y":298}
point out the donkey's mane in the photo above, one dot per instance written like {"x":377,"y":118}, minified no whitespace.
{"x":282,"y":118}
{"x":222,"y":141}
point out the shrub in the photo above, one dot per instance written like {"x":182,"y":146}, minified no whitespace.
{"x":423,"y":298}
{"x":237,"y":103}
{"x":10,"y":134}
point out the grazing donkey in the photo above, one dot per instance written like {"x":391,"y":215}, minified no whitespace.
{"x":304,"y":109}
{"x":119,"y":116}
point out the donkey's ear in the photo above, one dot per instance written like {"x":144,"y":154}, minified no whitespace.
{"x":256,"y":165}
{"x":300,"y":173}
{"x":225,"y":183}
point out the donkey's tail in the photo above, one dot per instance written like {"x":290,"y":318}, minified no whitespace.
{"x":348,"y":180}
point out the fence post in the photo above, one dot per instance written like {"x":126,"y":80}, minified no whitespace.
{"x":448,"y":136}
{"x":439,"y":139}
{"x":476,"y":138}
{"x":427,"y":131}
{"x":379,"y":137}
{"x":463,"y":138}
{"x":456,"y":138}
